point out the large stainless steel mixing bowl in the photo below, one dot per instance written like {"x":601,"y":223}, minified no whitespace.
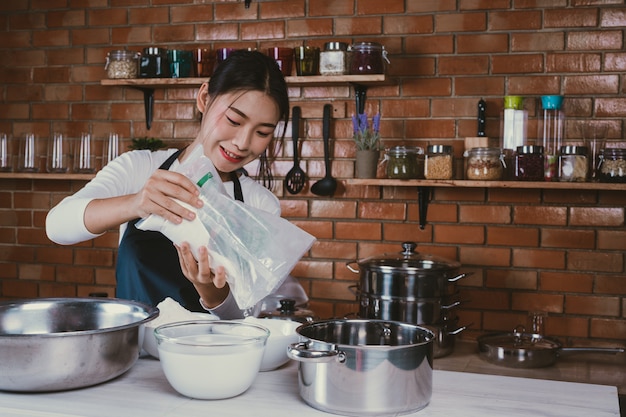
{"x":53,"y":344}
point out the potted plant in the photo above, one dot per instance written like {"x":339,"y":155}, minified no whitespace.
{"x":153,"y":144}
{"x":367,"y":140}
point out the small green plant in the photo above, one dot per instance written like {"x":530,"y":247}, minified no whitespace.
{"x":152,"y":144}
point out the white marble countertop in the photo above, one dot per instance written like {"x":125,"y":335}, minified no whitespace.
{"x":143,"y":391}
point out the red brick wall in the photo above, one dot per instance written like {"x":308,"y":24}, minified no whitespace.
{"x":562,"y":251}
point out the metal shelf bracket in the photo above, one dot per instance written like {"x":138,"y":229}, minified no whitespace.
{"x":423,"y":199}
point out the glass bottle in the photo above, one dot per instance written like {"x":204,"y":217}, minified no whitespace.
{"x":612,"y":166}
{"x":551,"y":125}
{"x":368,"y":58}
{"x":153,"y":63}
{"x":573,"y":164}
{"x":484,"y":164}
{"x":404,"y":162}
{"x":513,"y":131}
{"x":439,"y":163}
{"x":333,"y":59}
{"x":529,"y":163}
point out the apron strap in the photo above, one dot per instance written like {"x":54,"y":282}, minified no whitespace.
{"x":236,"y":186}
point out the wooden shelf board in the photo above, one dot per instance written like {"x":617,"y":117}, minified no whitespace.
{"x":292,"y":80}
{"x":489,"y":184}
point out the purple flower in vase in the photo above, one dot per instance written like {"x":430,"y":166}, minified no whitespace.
{"x":366,"y":137}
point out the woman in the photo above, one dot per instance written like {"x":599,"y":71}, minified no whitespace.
{"x":241,"y":107}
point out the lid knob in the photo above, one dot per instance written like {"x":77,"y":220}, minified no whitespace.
{"x":409,"y":248}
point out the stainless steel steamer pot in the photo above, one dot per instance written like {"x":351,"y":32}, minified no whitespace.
{"x":359,"y":367}
{"x":407,"y":274}
{"x":421,"y":311}
{"x":53,"y":344}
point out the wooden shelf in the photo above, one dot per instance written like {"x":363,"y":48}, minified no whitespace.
{"x":424,"y":187}
{"x":148,"y":85}
{"x":292,"y":80}
{"x":490,"y":184}
{"x":45,"y":176}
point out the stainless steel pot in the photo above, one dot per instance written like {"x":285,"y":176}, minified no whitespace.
{"x":528,"y":350}
{"x":422,"y":311}
{"x":53,"y":344}
{"x":364,"y":367}
{"x":407,"y":274}
{"x":445,"y":336}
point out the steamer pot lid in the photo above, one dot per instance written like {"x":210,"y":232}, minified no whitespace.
{"x":409,"y":260}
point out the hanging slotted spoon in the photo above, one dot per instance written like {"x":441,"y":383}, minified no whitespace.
{"x":294,"y":181}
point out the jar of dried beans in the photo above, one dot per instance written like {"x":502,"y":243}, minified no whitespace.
{"x":612,"y":166}
{"x":529,"y":163}
{"x":122,"y":64}
{"x":573,"y":164}
{"x":484,"y":164}
{"x":439,"y":162}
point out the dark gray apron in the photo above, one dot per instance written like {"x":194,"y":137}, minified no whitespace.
{"x":148,"y":269}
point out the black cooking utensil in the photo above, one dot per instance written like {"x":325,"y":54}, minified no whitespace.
{"x":294,"y":181}
{"x":327,"y":185}
{"x":481,"y":117}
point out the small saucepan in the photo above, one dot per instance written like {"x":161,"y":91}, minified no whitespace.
{"x":528,"y":350}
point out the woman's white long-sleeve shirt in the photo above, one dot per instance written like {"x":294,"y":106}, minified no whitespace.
{"x":125,"y":175}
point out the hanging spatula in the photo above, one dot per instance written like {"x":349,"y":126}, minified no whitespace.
{"x":294,"y":181}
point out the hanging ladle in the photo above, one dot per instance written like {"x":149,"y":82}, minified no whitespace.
{"x":327,"y":185}
{"x":294,"y":180}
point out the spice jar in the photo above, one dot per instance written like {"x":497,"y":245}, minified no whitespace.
{"x":333,"y":59}
{"x":153,"y":63}
{"x":367,"y":58}
{"x":573,"y":164}
{"x":529,"y":163}
{"x":484,"y":164}
{"x":612,"y":166}
{"x":404,"y":162}
{"x":438,"y":162}
{"x":121,"y":64}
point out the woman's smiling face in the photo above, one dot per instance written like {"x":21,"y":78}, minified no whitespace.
{"x":237,"y":127}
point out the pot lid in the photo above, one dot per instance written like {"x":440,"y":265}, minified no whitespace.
{"x":519,"y":341}
{"x":289,"y":311}
{"x":409,"y":260}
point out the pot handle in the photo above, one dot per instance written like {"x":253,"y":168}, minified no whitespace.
{"x":454,"y":304}
{"x":459,"y":330}
{"x":460,"y":276}
{"x":351,"y":268}
{"x":300,"y":351}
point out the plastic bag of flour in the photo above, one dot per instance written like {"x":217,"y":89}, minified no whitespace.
{"x":257,"y":249}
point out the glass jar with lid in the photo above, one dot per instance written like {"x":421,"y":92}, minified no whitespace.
{"x":573,"y":164}
{"x":153,"y":63}
{"x":405,"y":162}
{"x":484,"y":164}
{"x":439,"y":162}
{"x":367,"y":58}
{"x":334,"y":59}
{"x":529,"y":163}
{"x":612,"y":165}
{"x":121,"y":64}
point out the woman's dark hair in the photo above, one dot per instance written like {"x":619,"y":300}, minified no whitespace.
{"x":247,"y":70}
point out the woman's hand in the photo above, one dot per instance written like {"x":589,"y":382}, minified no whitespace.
{"x":156,"y":197}
{"x":212,"y":287}
{"x":158,"y":194}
